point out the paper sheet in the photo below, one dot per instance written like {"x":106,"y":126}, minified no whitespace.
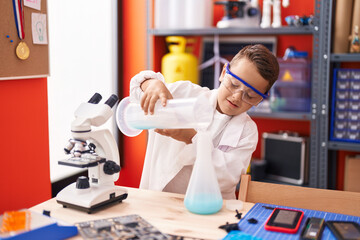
{"x":38,"y":25}
{"x":36,"y":4}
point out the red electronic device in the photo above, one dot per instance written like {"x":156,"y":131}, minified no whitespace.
{"x":284,"y":220}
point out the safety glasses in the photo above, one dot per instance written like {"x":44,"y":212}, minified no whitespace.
{"x":235,"y":84}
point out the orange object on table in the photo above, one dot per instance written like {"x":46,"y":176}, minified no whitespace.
{"x":15,"y":221}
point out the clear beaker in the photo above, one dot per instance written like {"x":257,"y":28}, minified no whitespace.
{"x":177,"y":114}
{"x":203,"y":195}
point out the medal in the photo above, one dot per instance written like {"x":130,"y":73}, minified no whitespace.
{"x":22,"y":50}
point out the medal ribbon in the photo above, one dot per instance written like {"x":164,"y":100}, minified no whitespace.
{"x":19,"y":17}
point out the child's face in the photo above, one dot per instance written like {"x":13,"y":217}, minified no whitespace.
{"x":231,"y":102}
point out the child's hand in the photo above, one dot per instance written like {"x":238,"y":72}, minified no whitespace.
{"x":153,"y":90}
{"x":183,"y":135}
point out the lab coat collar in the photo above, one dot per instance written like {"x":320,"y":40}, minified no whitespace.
{"x":233,"y":132}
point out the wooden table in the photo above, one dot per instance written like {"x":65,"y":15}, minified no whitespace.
{"x":166,"y":211}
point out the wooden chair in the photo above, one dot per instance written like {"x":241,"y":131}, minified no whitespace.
{"x":300,"y":197}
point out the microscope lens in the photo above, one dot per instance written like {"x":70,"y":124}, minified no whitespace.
{"x":95,"y":99}
{"x":112,"y":100}
{"x":68,"y":147}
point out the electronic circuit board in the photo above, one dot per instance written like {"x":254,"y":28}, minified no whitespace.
{"x":123,"y":227}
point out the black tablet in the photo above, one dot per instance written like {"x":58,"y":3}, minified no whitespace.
{"x":344,"y":230}
{"x":284,"y":220}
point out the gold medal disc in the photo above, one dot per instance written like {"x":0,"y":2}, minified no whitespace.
{"x":22,"y":51}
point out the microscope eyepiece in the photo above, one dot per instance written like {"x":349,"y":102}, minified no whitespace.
{"x":95,"y":99}
{"x":112,"y":100}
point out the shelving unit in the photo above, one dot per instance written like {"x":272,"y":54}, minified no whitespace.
{"x":332,"y":145}
{"x":302,"y":116}
{"x":233,"y":31}
{"x":354,"y":57}
{"x":329,"y":148}
{"x":319,"y":145}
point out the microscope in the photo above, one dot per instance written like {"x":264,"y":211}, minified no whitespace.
{"x":96,"y":150}
{"x":239,"y":13}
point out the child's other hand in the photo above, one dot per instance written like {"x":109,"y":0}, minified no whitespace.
{"x":183,"y":135}
{"x":153,"y":90}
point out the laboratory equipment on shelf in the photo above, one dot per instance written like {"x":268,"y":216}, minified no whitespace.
{"x":298,"y":21}
{"x":242,"y":13}
{"x":266,"y":13}
{"x":178,"y":64}
{"x":177,"y":114}
{"x":292,"y":90}
{"x":216,"y":60}
{"x":96,"y":150}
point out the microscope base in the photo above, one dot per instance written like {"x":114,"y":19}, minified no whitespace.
{"x":90,"y":200}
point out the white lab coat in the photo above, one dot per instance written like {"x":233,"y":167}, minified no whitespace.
{"x":234,"y":138}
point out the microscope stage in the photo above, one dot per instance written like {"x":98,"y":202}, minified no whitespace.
{"x":82,"y":162}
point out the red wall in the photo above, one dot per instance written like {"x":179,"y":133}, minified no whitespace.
{"x":24,"y":144}
{"x":134,"y":60}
